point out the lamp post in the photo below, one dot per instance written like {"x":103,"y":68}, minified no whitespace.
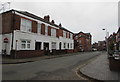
{"x":107,"y":34}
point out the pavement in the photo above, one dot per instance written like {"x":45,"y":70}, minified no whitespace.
{"x":98,"y":69}
{"x":8,"y":60}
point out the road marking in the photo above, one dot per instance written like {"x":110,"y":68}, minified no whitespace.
{"x":77,"y":70}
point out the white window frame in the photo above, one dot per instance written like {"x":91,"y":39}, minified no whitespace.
{"x":26,"y":25}
{"x":53,"y":32}
{"x":53,"y":45}
{"x":39,"y":28}
{"x":46,"y":30}
{"x":64,"y":33}
{"x":71,"y":36}
{"x":26,"y":43}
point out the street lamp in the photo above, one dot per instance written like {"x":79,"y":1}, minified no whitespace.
{"x":107,"y":34}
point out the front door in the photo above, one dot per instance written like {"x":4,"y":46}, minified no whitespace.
{"x":46,"y":48}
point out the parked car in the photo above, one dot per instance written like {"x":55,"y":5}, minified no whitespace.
{"x":116,"y":55}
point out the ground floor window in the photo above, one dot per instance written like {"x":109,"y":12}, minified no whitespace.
{"x":71,"y":45}
{"x":25,"y":44}
{"x":53,"y":45}
{"x":64,"y":45}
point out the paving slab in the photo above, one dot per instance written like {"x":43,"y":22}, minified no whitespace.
{"x":99,"y":69}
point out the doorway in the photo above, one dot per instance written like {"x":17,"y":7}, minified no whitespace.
{"x":37,"y":45}
{"x":46,"y":48}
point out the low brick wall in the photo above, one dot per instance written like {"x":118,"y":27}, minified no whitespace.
{"x":114,"y":65}
{"x":69,"y":51}
{"x":26,"y":53}
{"x":58,"y":52}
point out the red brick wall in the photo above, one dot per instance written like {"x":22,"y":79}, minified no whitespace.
{"x":57,"y":32}
{"x":43,"y":29}
{"x":60,"y":32}
{"x":70,"y":51}
{"x":86,"y":45}
{"x":27,"y":53}
{"x":34,"y":26}
{"x":17,"y":22}
{"x":49,"y":30}
{"x":7,"y":22}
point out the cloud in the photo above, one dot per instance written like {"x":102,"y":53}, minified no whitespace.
{"x":77,"y":16}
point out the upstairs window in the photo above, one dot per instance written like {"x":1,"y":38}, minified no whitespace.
{"x":71,"y":36}
{"x":53,"y":32}
{"x":64,"y":34}
{"x":46,"y":29}
{"x":26,"y":25}
{"x":39,"y":28}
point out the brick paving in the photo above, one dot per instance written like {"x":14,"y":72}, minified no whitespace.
{"x":99,"y":69}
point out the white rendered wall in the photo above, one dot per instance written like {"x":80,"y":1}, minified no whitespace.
{"x":66,"y":40}
{"x":33,"y":37}
{"x":7,"y":46}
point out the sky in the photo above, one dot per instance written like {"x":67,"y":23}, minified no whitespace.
{"x":83,"y":15}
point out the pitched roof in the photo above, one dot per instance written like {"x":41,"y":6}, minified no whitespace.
{"x":38,"y":18}
{"x":118,"y":30}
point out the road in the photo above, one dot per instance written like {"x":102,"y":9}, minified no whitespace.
{"x":61,"y":68}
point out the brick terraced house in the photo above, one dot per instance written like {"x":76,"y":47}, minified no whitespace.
{"x":82,"y":41}
{"x":27,"y":35}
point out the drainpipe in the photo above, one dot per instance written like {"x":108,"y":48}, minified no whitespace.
{"x":12,"y":27}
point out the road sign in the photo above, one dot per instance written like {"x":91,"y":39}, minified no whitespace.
{"x":5,"y":40}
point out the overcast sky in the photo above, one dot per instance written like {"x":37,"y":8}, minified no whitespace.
{"x":77,"y":16}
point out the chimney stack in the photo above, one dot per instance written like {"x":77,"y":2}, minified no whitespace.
{"x":60,"y":25}
{"x":53,"y":21}
{"x":47,"y":18}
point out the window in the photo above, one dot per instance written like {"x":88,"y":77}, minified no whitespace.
{"x":26,"y":25}
{"x":71,"y":36}
{"x":39,"y":28}
{"x":53,"y":45}
{"x":53,"y":32}
{"x":68,"y":45}
{"x":71,"y":45}
{"x":25,"y":44}
{"x":64,"y":45}
{"x":46,"y":30}
{"x":64,"y":33}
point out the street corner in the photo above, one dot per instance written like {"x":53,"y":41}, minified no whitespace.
{"x":82,"y":69}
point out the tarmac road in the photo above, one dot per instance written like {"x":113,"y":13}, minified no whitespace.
{"x":61,"y":68}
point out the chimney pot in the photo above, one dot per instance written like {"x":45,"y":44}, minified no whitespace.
{"x":47,"y":18}
{"x":60,"y":25}
{"x":53,"y":21}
